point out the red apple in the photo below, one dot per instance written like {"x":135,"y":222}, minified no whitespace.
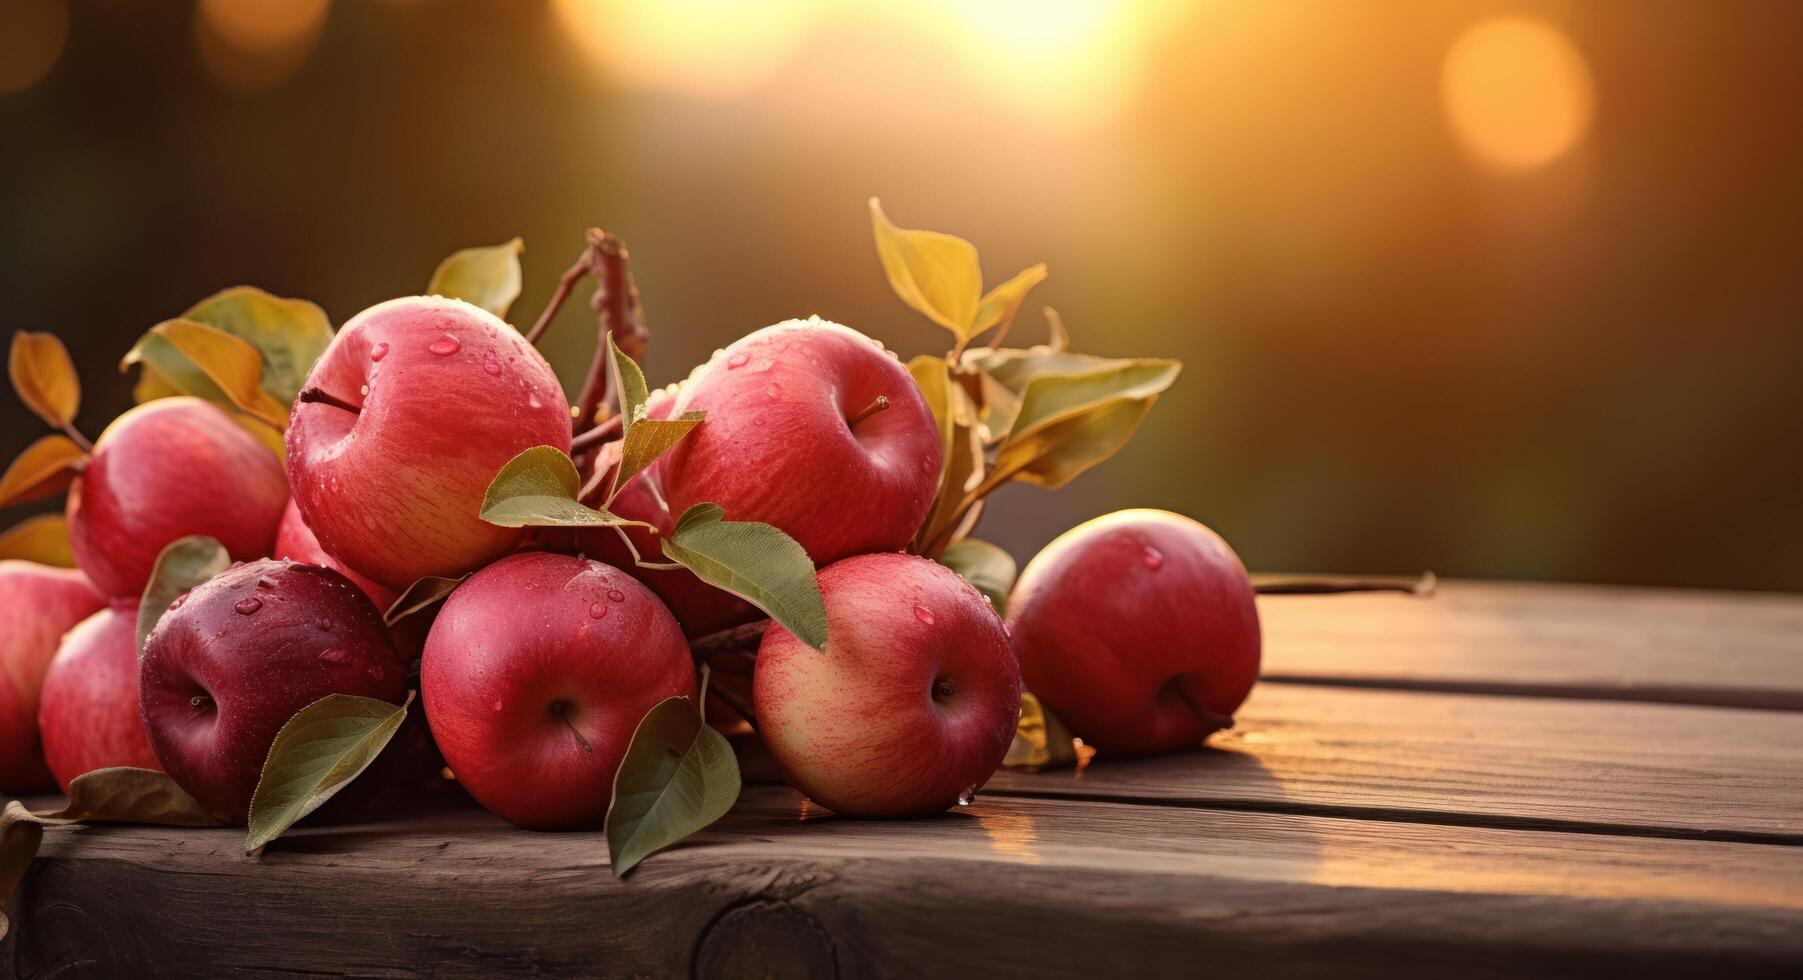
{"x":913,"y":704}
{"x":1138,"y":630}
{"x":38,"y":604}
{"x":403,"y":423}
{"x":796,"y":436}
{"x":162,"y":471}
{"x":535,"y":676}
{"x":89,"y":716}
{"x":237,"y":656}
{"x":295,"y":540}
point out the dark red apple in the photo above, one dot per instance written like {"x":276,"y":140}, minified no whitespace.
{"x":913,"y":704}
{"x":797,"y":436}
{"x":535,"y":676}
{"x":38,"y":604}
{"x":165,"y":470}
{"x":89,"y":717}
{"x":236,"y":657}
{"x":1138,"y":630}
{"x":401,"y":426}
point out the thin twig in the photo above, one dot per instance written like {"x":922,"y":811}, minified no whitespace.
{"x":1423,"y":586}
{"x":733,"y":639}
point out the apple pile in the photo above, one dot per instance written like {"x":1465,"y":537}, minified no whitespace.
{"x":303,"y":539}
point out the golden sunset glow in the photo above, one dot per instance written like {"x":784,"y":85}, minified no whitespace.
{"x":255,"y":44}
{"x":715,"y":48}
{"x":32,"y":34}
{"x":1518,"y":93}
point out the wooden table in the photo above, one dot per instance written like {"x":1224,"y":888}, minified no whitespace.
{"x":1502,"y":780}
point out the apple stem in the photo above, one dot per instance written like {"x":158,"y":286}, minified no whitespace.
{"x":605,"y":432}
{"x":565,"y":283}
{"x":76,"y":437}
{"x":316,"y":396}
{"x":881,"y":403}
{"x":733,"y":639}
{"x":557,"y":708}
{"x":1423,"y":586}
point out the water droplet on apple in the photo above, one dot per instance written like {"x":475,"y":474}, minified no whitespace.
{"x":264,"y":583}
{"x":615,"y":595}
{"x":1153,"y":558}
{"x":325,"y":623}
{"x":969,"y":794}
{"x":335,"y":657}
{"x":179,"y":600}
{"x":533,"y":402}
{"x":1007,"y":631}
{"x":247,"y":605}
{"x":924,"y":614}
{"x":597,"y":610}
{"x":497,"y":705}
{"x":445,"y":346}
{"x":376,"y":673}
{"x":378,"y":352}
{"x":926,"y":464}
{"x":763,"y":365}
{"x":738,"y":360}
{"x":492,"y":365}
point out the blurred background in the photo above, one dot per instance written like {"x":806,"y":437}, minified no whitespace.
{"x":1504,"y":290}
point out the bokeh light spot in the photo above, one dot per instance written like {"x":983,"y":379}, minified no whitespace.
{"x":1518,"y":93}
{"x":32,"y":33}
{"x":254,"y":44}
{"x":714,"y":48}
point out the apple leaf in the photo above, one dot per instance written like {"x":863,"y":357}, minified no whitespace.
{"x":423,"y":594}
{"x":678,"y":776}
{"x":757,"y":563}
{"x":1052,"y":398}
{"x":1056,"y":454}
{"x":43,"y":539}
{"x":182,"y":565}
{"x":290,"y":334}
{"x":234,"y":367}
{"x":44,"y":377}
{"x":44,"y":469}
{"x":538,"y":488}
{"x":317,"y":753}
{"x":487,"y":276}
{"x":1000,"y":304}
{"x":1040,"y":740}
{"x":985,"y":566}
{"x":936,"y":274}
{"x":647,"y":440}
{"x":123,"y":794}
{"x":629,"y":382}
{"x":960,"y":444}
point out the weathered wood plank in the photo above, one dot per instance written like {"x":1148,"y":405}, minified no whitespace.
{"x":1666,"y":770}
{"x":1040,"y":888}
{"x":1668,"y":645}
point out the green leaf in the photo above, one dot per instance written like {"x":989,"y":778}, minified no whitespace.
{"x":182,"y":565}
{"x":757,"y":563}
{"x":226,"y":366}
{"x":647,"y":440}
{"x":1001,"y":303}
{"x":43,"y":539}
{"x":317,"y":753}
{"x":985,"y":566}
{"x":629,"y":382}
{"x":678,"y":776}
{"x":1052,"y":398}
{"x":936,"y":274}
{"x":44,"y":469}
{"x":487,"y":276}
{"x":1053,"y":455}
{"x":290,"y":334}
{"x":44,"y":377}
{"x":538,"y":488}
{"x":1040,"y":740}
{"x":423,"y":594}
{"x":123,"y":794}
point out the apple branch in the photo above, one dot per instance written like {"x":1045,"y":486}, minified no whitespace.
{"x":734,"y":639}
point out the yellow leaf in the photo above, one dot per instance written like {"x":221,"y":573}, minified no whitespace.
{"x":290,"y":334}
{"x":45,"y":468}
{"x":960,"y":445}
{"x":43,"y":539}
{"x":1052,"y":455}
{"x":1040,"y":740}
{"x":934,"y":273}
{"x":488,"y":276}
{"x":44,"y":377}
{"x":1002,"y":302}
{"x":177,"y":348}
